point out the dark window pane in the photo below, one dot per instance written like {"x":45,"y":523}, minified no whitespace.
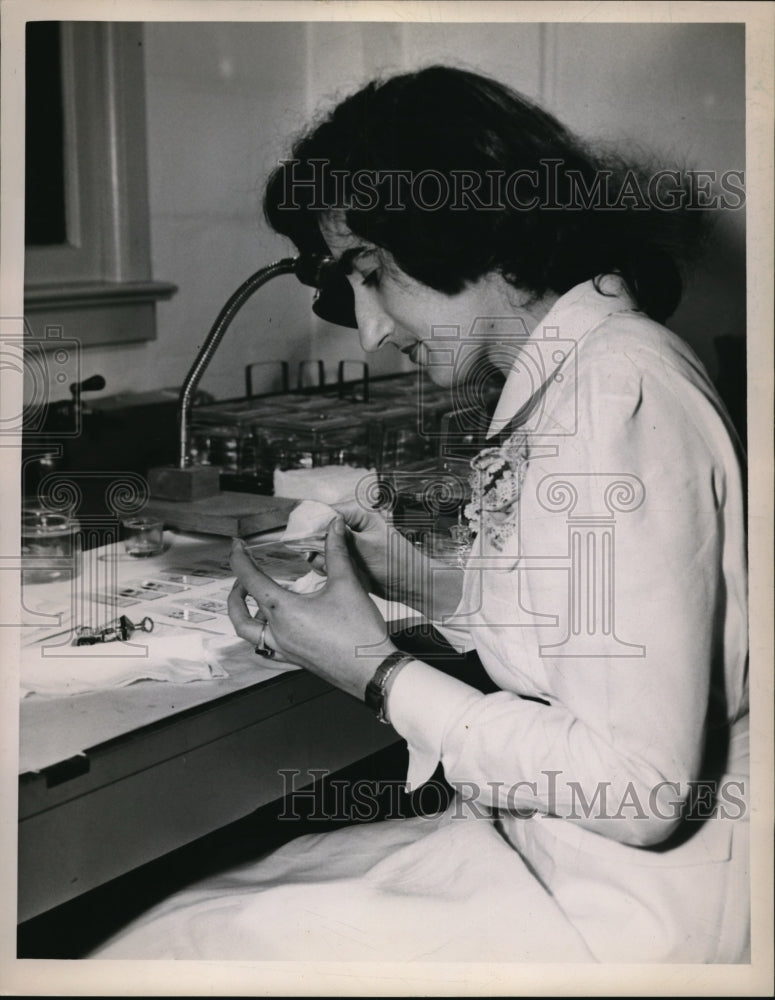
{"x":44,"y":206}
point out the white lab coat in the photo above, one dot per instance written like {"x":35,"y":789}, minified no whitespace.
{"x":608,"y":601}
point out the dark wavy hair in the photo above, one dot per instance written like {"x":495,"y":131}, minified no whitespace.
{"x":448,"y":120}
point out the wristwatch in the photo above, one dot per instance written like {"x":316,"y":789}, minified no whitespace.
{"x":375,"y":689}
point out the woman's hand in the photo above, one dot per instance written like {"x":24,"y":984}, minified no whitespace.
{"x":395,"y":569}
{"x":387,"y":562}
{"x":337,"y":632}
{"x":375,"y":541}
{"x":370,"y":538}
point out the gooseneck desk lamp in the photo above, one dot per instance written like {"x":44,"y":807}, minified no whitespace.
{"x":185,"y":483}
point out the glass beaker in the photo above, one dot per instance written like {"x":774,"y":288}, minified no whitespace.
{"x":144,"y":537}
{"x":48,"y":542}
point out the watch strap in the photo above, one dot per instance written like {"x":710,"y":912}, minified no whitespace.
{"x":377,"y":686}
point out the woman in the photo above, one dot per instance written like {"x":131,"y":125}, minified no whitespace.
{"x":600,"y":809}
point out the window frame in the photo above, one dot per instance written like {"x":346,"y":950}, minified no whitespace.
{"x":98,"y":284}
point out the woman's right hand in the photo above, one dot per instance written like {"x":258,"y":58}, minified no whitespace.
{"x":393,"y":568}
{"x":373,"y":540}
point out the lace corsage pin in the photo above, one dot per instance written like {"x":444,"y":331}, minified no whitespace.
{"x":496,"y":481}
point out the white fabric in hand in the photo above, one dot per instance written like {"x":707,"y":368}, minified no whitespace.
{"x":307,"y":526}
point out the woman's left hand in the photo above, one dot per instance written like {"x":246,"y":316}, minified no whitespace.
{"x":337,"y":632}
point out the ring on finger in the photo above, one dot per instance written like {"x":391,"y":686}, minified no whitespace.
{"x":261,"y":648}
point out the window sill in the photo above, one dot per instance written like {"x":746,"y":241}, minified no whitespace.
{"x":96,"y":313}
{"x":80,"y":295}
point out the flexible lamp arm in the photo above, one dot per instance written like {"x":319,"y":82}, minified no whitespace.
{"x":288,"y":265}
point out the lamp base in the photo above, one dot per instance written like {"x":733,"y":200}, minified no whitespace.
{"x":168,"y":482}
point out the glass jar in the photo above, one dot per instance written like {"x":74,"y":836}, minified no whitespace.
{"x":49,"y":547}
{"x":401,"y":441}
{"x":305,"y":444}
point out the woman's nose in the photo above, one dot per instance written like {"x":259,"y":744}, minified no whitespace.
{"x":374,"y":324}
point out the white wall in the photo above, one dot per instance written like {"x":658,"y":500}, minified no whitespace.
{"x":223,"y":100}
{"x":675,"y":92}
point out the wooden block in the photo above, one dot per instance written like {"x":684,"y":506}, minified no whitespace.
{"x":168,"y":482}
{"x":229,"y":514}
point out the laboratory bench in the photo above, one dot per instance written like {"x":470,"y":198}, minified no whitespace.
{"x":112,"y":780}
{"x":116,"y":780}
{"x":73,"y":929}
{"x":118,"y":804}
{"x":114,"y":776}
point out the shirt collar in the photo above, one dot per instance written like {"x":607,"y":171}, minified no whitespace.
{"x":554,"y":339}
